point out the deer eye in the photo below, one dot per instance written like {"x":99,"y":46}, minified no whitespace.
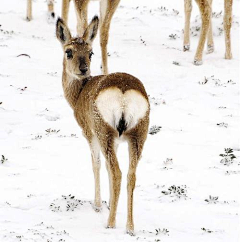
{"x":69,"y":53}
{"x":90,"y":55}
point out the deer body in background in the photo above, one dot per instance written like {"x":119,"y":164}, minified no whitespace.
{"x":109,"y":109}
{"x":205,"y":7}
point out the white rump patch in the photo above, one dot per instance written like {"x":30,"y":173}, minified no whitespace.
{"x":112,"y":104}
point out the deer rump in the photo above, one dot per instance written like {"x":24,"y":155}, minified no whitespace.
{"x":122,"y":111}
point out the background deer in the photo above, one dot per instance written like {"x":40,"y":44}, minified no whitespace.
{"x":107,"y":9}
{"x":205,"y":7}
{"x":50,"y":4}
{"x":109,"y":109}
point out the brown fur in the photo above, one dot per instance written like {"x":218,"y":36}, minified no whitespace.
{"x":205,"y":7}
{"x":82,"y":92}
{"x":105,"y":21}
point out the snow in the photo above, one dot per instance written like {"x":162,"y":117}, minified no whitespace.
{"x":46,"y":157}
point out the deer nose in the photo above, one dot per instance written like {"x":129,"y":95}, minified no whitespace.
{"x":83,"y":70}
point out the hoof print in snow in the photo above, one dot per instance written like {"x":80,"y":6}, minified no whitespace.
{"x":154,"y":129}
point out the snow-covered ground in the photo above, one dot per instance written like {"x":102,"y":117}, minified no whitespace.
{"x":185,"y":191}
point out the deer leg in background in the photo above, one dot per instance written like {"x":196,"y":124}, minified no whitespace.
{"x":210,"y":44}
{"x":51,"y":14}
{"x":187,"y":10}
{"x":107,"y":9}
{"x":29,"y":10}
{"x":65,"y":10}
{"x":227,"y":27}
{"x":81,"y":11}
{"x":205,"y":11}
{"x":96,"y":165}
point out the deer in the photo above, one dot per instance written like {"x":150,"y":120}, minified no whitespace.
{"x":107,"y":10}
{"x":205,"y":7}
{"x":109,"y":109}
{"x":50,"y":4}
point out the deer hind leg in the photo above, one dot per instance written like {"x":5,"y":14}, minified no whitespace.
{"x":108,"y":147}
{"x":65,"y":10}
{"x":81,"y":11}
{"x":96,"y":165}
{"x":107,"y":9}
{"x":136,"y":139}
{"x":187,"y":10}
{"x":227,"y":27}
{"x":210,"y":44}
{"x":29,"y":10}
{"x":108,"y":169}
{"x":205,"y":10}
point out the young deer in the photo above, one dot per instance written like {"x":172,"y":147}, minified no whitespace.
{"x":107,"y":9}
{"x":109,"y":109}
{"x":205,"y":7}
{"x":50,"y":3}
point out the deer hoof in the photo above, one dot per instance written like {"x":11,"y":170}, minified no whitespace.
{"x":228,"y":56}
{"x":210,"y":49}
{"x":97,"y":209}
{"x":130,"y":232}
{"x":186,"y":48}
{"x":111,"y":227}
{"x":197,"y":62}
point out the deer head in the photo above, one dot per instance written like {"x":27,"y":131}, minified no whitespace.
{"x":77,"y":51}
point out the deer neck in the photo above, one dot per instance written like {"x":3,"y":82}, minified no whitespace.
{"x":72,"y":87}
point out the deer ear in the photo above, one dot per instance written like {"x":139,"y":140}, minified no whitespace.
{"x":62,"y":32}
{"x":91,"y":31}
